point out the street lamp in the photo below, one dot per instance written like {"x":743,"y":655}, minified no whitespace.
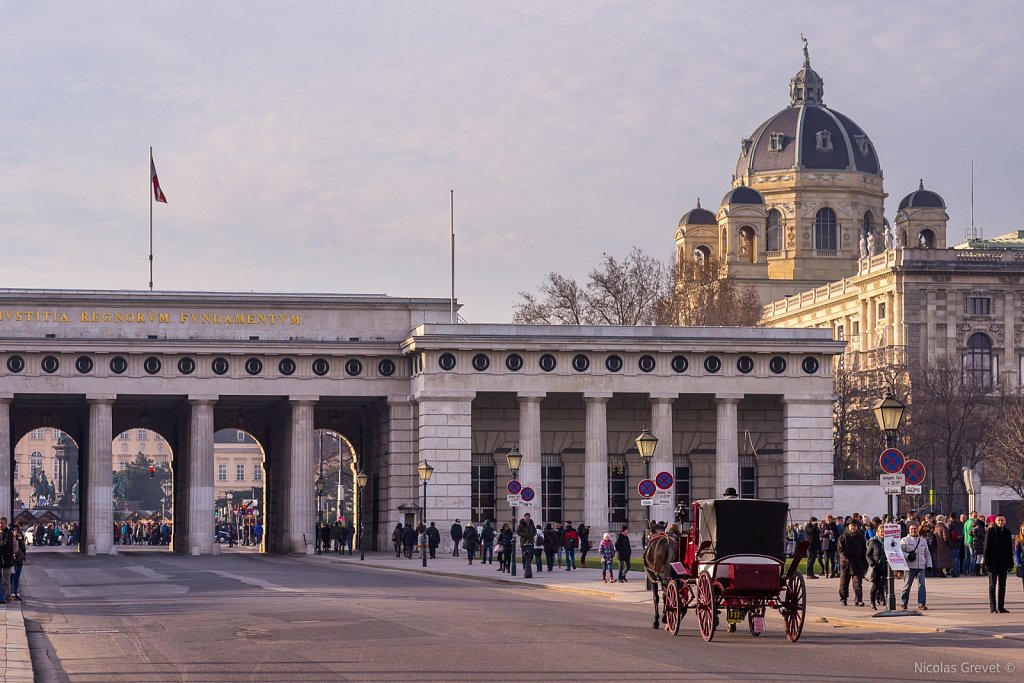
{"x":515,"y":459}
{"x":889,"y":414}
{"x":646,"y":444}
{"x":361,"y":480}
{"x":319,"y":496}
{"x":426,"y":471}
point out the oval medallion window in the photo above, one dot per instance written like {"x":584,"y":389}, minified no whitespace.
{"x":118,"y":365}
{"x":186,"y":366}
{"x":613,"y":363}
{"x":446,"y":361}
{"x":220,"y":366}
{"x":810,"y":365}
{"x":386,"y":367}
{"x":50,"y":364}
{"x":514,"y":362}
{"x":321,"y":367}
{"x":15,"y":364}
{"x":253,"y":366}
{"x":745,"y":364}
{"x":777,"y":365}
{"x":151,"y":365}
{"x":680,"y":364}
{"x":353,"y":367}
{"x":646,"y":363}
{"x":712,"y":364}
{"x":481,"y":362}
{"x":83,"y":364}
{"x":580,"y":363}
{"x":548,"y":362}
{"x":286,"y":367}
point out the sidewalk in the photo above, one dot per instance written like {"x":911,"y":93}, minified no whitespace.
{"x":16,"y":666}
{"x":957,"y":605}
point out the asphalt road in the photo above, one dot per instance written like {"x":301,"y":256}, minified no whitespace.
{"x":245,"y":617}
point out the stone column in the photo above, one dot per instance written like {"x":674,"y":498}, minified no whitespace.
{"x":807,"y":456}
{"x":529,"y":443}
{"x":401,"y":465}
{"x":727,"y":455}
{"x":663,"y":460}
{"x":200,"y":495}
{"x":299,"y":496}
{"x":446,"y":442}
{"x":6,"y":479}
{"x":595,"y":468}
{"x":99,"y":499}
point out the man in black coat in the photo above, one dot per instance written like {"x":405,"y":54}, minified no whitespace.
{"x":812,"y":534}
{"x":625,"y":552}
{"x":853,"y":563}
{"x":456,"y":533}
{"x":7,"y":559}
{"x":998,"y":561}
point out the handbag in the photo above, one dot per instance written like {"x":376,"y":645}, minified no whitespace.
{"x":499,"y":548}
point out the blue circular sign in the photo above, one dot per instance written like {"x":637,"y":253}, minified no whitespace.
{"x":646,"y":488}
{"x":514,"y":487}
{"x":891,"y":460}
{"x":664,"y":480}
{"x":527,"y":494}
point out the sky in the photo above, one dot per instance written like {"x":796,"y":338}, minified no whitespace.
{"x":311,"y":147}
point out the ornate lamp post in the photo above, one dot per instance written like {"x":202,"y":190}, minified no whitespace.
{"x":889,"y":414}
{"x":515,"y":459}
{"x":361,"y":480}
{"x":646,"y":444}
{"x":319,"y":484}
{"x":426,"y":471}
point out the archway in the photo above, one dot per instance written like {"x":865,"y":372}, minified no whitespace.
{"x":142,"y":481}
{"x":336,"y":465}
{"x":239,"y":476}
{"x":46,"y":488}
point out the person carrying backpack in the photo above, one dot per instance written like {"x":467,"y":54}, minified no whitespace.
{"x":570,"y":541}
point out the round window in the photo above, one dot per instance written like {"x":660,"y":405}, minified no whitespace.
{"x":118,"y":365}
{"x":680,"y":364}
{"x":810,"y":365}
{"x":548,"y":362}
{"x":745,"y":364}
{"x":481,"y":362}
{"x":321,"y":367}
{"x":353,"y":367}
{"x":286,"y":366}
{"x":446,"y":361}
{"x":253,"y":366}
{"x":15,"y":364}
{"x":152,"y":365}
{"x":386,"y":367}
{"x":186,"y":366}
{"x":580,"y":363}
{"x":712,"y":364}
{"x":514,"y":362}
{"x":220,"y":366}
{"x":83,"y":364}
{"x":777,"y":365}
{"x":646,"y":363}
{"x":613,"y":363}
{"x":50,"y":364}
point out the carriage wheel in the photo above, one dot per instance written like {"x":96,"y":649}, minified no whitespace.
{"x":795,"y":606}
{"x":707,"y":618}
{"x":675,"y":607}
{"x":750,"y":622}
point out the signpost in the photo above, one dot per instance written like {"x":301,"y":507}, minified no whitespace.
{"x":901,"y":476}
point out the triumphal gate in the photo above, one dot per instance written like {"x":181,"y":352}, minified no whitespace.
{"x":747,"y":408}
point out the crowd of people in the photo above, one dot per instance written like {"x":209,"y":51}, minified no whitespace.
{"x":933,"y":546}
{"x":337,"y":537}
{"x":142,"y":532}
{"x":52,"y":534}
{"x":13,"y":546}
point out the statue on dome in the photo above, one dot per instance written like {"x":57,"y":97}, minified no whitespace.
{"x":807,"y":57}
{"x":871,"y":244}
{"x":863,"y":247}
{"x":897,"y":237}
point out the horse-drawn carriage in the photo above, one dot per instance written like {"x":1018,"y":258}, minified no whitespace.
{"x":732,"y":559}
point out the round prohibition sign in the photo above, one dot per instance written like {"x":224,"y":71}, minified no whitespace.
{"x":664,"y":480}
{"x":646,"y":488}
{"x":514,"y":487}
{"x":527,"y":494}
{"x":914,"y":472}
{"x":891,"y":460}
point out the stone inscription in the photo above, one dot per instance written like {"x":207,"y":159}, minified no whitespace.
{"x":146,"y":317}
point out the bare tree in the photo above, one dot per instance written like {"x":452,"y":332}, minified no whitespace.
{"x":1005,"y":455}
{"x":701,"y":294}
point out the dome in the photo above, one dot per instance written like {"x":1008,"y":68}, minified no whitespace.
{"x":807,"y":135}
{"x":698,"y":216}
{"x":922,"y":198}
{"x":743,"y":195}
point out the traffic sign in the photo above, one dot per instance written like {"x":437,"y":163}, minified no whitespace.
{"x":914,"y":471}
{"x":646,"y":488}
{"x":527,"y":494}
{"x":664,"y":480}
{"x":891,"y":480}
{"x":514,"y":500}
{"x":912,"y":490}
{"x":891,"y":460}
{"x":644,"y":502}
{"x":893,"y":489}
{"x":514,"y":487}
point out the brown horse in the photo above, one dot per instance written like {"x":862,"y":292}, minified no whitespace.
{"x":657,"y":556}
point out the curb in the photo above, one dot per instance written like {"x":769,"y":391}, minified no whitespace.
{"x":886,"y":625}
{"x":17,"y":666}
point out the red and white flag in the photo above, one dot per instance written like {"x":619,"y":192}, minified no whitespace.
{"x":158,"y":194}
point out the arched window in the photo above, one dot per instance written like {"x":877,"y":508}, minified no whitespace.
{"x":747,"y":246}
{"x":867,"y":225}
{"x":773,"y":231}
{"x":701,"y":254}
{"x":826,"y":236}
{"x":978,"y":360}
{"x":36,"y":461}
{"x":926,"y":240}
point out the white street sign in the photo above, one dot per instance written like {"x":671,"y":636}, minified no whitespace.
{"x":897,"y":479}
{"x":662,"y":497}
{"x":894,"y":489}
{"x":912,"y":490}
{"x":646,"y":501}
{"x":515,"y":500}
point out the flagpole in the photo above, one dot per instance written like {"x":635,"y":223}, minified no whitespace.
{"x":452,"y":213}
{"x":151,"y":219}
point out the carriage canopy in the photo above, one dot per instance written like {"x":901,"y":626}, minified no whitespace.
{"x":737,"y":526}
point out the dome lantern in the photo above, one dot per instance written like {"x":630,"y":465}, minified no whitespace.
{"x":806,"y":87}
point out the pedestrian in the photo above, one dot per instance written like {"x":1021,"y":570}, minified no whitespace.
{"x":456,"y":534}
{"x":1018,"y":553}
{"x":550,"y":545}
{"x":583,"y":532}
{"x":915,"y":550}
{"x":828,"y":539}
{"x":505,"y":548}
{"x":470,"y":539}
{"x":559,"y":542}
{"x":956,"y":541}
{"x":606,"y":550}
{"x":487,"y":543}
{"x":998,"y":561}
{"x":433,"y":540}
{"x":570,"y":540}
{"x":338,"y":536}
{"x":538,"y":547}
{"x":943,"y":555}
{"x":813,"y":535}
{"x":878,"y":566}
{"x":978,"y":543}
{"x":396,"y":539}
{"x":6,"y":560}
{"x":853,"y":563}
{"x":408,"y":540}
{"x":20,"y":548}
{"x":526,"y":531}
{"x":625,"y":551}
{"x":325,"y":537}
